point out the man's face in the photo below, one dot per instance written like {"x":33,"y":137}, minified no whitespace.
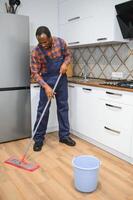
{"x":44,"y":41}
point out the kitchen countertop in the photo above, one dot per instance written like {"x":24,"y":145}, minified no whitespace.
{"x":94,"y":82}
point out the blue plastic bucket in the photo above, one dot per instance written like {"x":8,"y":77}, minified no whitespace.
{"x":86,"y":170}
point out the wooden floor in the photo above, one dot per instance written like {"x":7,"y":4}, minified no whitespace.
{"x":54,"y":180}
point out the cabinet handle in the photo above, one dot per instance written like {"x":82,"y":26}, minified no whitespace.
{"x":71,"y":86}
{"x":117,"y":94}
{"x":36,"y":86}
{"x":109,"y":105}
{"x":101,"y":39}
{"x":77,"y":42}
{"x":87,"y":89}
{"x":110,"y":129}
{"x":74,"y":18}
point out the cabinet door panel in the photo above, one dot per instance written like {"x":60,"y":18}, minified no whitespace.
{"x":35,"y":91}
{"x":52,"y":123}
{"x":72,"y":10}
{"x":91,"y":111}
{"x":102,"y":34}
{"x":84,"y":111}
{"x":77,"y":33}
{"x":73,"y":107}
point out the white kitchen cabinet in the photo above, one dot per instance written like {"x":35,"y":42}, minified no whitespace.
{"x":35,"y":89}
{"x":103,"y":117}
{"x":89,"y":22}
{"x":73,"y":10}
{"x":84,"y":110}
{"x":117,"y":123}
{"x":52,"y":123}
{"x":117,"y":126}
{"x":74,"y":110}
{"x":74,"y":32}
{"x":90,"y":111}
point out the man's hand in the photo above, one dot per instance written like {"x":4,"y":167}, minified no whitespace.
{"x":49,"y":91}
{"x":63,"y":68}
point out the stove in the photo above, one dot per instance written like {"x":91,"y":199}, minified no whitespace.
{"x":125,"y":84}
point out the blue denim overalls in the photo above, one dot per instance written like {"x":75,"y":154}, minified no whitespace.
{"x":50,"y":77}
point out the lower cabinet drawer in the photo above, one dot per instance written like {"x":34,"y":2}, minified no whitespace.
{"x":118,"y":96}
{"x":118,"y":139}
{"x":117,"y":126}
{"x":118,"y":116}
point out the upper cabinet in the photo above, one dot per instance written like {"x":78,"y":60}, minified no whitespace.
{"x":73,"y":10}
{"x":89,"y":22}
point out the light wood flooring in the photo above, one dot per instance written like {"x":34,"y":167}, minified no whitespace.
{"x":54,"y":180}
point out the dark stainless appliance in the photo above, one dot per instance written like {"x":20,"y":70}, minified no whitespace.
{"x":125,"y":18}
{"x":125,"y":84}
{"x":15,"y":114}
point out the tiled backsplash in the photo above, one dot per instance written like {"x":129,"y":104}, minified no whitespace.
{"x":101,"y":61}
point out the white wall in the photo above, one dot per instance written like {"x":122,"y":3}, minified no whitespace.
{"x":2,"y":6}
{"x":40,"y":12}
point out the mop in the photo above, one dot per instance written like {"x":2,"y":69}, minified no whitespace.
{"x":22,"y":163}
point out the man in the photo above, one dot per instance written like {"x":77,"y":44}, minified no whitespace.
{"x":48,"y":59}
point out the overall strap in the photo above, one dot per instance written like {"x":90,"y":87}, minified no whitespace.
{"x":62,"y":46}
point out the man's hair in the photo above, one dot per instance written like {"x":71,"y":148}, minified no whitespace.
{"x":43,"y":30}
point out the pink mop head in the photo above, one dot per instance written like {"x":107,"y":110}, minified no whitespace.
{"x":22,"y":164}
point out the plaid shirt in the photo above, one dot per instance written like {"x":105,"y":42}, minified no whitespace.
{"x":39,"y":63}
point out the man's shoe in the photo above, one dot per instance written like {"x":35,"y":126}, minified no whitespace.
{"x":37,"y":146}
{"x":68,"y":141}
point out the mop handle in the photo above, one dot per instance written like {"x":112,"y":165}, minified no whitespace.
{"x":34,"y":132}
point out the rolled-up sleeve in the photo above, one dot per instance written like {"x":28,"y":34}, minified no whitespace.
{"x":36,"y":68}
